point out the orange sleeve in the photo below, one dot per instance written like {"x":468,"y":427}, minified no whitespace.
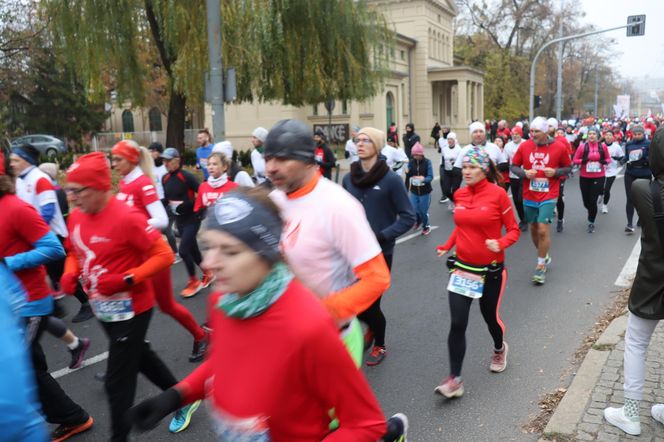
{"x":373,"y":279}
{"x":160,"y":257}
{"x":71,"y":264}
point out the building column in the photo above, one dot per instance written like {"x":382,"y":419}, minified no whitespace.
{"x":480,"y":95}
{"x":462,"y":102}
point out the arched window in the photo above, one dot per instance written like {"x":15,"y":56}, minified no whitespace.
{"x":155,"y":120}
{"x":127,"y":121}
{"x":389,"y":109}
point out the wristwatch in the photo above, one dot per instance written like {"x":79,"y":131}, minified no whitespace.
{"x":129,"y":279}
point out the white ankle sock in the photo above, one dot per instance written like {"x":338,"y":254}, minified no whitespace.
{"x":74,"y":344}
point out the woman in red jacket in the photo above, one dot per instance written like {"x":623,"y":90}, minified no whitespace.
{"x":283,"y":392}
{"x":477,"y":270}
{"x":134,"y":164}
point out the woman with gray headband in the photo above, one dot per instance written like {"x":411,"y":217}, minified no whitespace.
{"x":276,"y":366}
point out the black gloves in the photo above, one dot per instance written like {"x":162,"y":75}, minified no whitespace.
{"x":146,"y":415}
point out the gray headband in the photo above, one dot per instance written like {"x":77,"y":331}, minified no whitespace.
{"x":249,"y":221}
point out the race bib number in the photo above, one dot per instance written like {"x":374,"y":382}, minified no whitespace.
{"x":231,"y":428}
{"x":539,"y":185}
{"x":416,"y":182}
{"x":174,"y":205}
{"x":113,"y":308}
{"x":203,"y":162}
{"x":636,"y":155}
{"x":593,"y":167}
{"x":466,"y":284}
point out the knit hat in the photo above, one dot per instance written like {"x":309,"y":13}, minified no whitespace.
{"x":290,"y":139}
{"x":539,"y":123}
{"x":517,"y":130}
{"x":638,"y":130}
{"x":91,"y":170}
{"x":452,"y":135}
{"x":476,"y":125}
{"x":260,"y":133}
{"x":50,"y":169}
{"x":128,"y":150}
{"x":28,"y":153}
{"x":478,"y":157}
{"x":417,"y":149}
{"x":248,"y":220}
{"x":553,"y":123}
{"x":224,"y":147}
{"x":376,"y":136}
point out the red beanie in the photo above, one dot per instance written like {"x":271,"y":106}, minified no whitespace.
{"x":517,"y":130}
{"x":128,"y":150}
{"x":91,"y":170}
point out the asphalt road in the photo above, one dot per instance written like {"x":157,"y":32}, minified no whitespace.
{"x":545,"y":325}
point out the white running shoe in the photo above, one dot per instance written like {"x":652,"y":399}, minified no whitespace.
{"x":657,"y":412}
{"x":605,"y":209}
{"x":617,"y":418}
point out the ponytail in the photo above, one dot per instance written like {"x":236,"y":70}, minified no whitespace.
{"x":493,"y":176}
{"x":146,"y":162}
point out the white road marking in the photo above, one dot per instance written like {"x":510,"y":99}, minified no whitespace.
{"x":90,"y":361}
{"x":629,"y":270}
{"x":412,"y":235}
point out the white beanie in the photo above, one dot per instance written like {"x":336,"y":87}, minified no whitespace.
{"x":552,"y":122}
{"x":477,"y":125}
{"x":564,"y":122}
{"x":224,"y":147}
{"x":451,"y":135}
{"x":519,"y":124}
{"x":260,"y":133}
{"x":539,"y":123}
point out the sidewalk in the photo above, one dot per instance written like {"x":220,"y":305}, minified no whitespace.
{"x":598,"y":385}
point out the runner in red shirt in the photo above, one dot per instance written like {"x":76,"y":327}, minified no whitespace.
{"x":482,"y":210}
{"x":216,"y":185}
{"x":116,"y":253}
{"x":541,"y":161}
{"x":134,"y":164}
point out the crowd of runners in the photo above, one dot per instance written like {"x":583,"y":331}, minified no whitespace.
{"x":297,"y":265}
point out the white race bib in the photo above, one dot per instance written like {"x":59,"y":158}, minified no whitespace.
{"x":236,"y":429}
{"x":112,"y":308}
{"x":593,"y":167}
{"x":466,"y":284}
{"x":174,"y":205}
{"x":539,"y":185}
{"x":636,"y":155}
{"x":417,"y":182}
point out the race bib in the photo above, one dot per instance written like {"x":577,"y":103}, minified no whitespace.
{"x":231,"y":428}
{"x":416,"y":182}
{"x":539,"y":185}
{"x":466,"y":284}
{"x":593,"y":167}
{"x":174,"y":205}
{"x":113,"y":308}
{"x":635,"y":155}
{"x":203,"y":162}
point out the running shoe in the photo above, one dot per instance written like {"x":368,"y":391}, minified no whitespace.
{"x":617,"y":418}
{"x":591,"y":228}
{"x":426,"y":230}
{"x":182,"y":417}
{"x":547,"y":260}
{"x":523,"y":226}
{"x":178,"y":259}
{"x":84,"y":313}
{"x":629,"y":229}
{"x":499,"y":359}
{"x":451,"y":206}
{"x":193,"y":286}
{"x":605,"y":209}
{"x":450,"y":388}
{"x":207,"y":279}
{"x":78,"y":353}
{"x":200,"y":347}
{"x":559,"y":225}
{"x":443,"y":200}
{"x":539,"y":277}
{"x":64,"y":432}
{"x":397,"y":428}
{"x":376,"y":356}
{"x":657,"y":413}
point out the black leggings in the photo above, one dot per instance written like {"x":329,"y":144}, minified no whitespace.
{"x":629,"y":206}
{"x":189,"y":251}
{"x":516,"y":184}
{"x":374,"y":317}
{"x":450,"y":180}
{"x":607,"y":188}
{"x":591,"y":190}
{"x":560,"y":204}
{"x":494,"y":286}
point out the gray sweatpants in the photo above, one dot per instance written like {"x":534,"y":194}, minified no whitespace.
{"x":637,"y":337}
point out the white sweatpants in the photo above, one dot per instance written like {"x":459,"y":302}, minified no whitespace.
{"x":637,"y":337}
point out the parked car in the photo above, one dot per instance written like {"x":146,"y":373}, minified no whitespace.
{"x":46,"y":144}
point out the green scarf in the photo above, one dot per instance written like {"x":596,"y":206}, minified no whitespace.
{"x":261,"y":298}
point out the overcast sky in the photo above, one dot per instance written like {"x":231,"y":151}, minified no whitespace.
{"x":640,"y":55}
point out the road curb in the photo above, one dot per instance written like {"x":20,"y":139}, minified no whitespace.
{"x":571,"y":408}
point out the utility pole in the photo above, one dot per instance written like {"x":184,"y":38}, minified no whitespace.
{"x":596,"y":87}
{"x":559,"y":94}
{"x":216,"y":73}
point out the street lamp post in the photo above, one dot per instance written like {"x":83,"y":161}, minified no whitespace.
{"x":216,"y":76}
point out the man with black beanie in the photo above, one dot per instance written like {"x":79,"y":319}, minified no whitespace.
{"x":410,"y":138}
